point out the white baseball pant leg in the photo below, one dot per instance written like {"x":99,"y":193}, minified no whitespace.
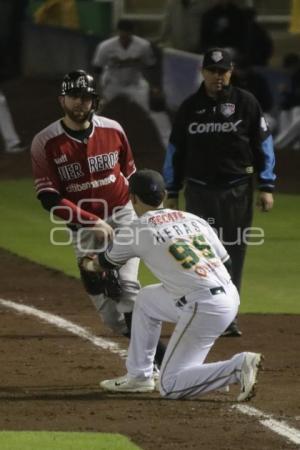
{"x":137,"y":93}
{"x":153,"y":306}
{"x":84,"y":242}
{"x":7,"y":128}
{"x":199,"y":323}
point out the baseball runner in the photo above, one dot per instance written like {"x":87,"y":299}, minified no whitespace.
{"x":81,"y":165}
{"x":195,"y":292}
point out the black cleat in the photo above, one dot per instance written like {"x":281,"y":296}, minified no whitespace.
{"x":232,"y":331}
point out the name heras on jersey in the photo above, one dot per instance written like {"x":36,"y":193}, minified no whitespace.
{"x":213,"y":127}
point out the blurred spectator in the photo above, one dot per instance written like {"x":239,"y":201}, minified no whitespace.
{"x":291,"y":91}
{"x":224,"y":25}
{"x":259,"y":44}
{"x":58,"y":13}
{"x":295,"y":17}
{"x":120,"y":62}
{"x":233,"y":25}
{"x":247,"y":77}
{"x":12,"y":142}
{"x":289,"y":116}
{"x":181,"y":24}
{"x":12,"y":16}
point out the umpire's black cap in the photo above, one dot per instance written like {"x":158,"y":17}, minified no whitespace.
{"x":149,"y":186}
{"x":217,"y":58}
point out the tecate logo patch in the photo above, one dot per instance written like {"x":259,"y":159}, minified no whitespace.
{"x":213,"y":127}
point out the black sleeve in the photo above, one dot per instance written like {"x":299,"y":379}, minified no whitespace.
{"x":49,"y":199}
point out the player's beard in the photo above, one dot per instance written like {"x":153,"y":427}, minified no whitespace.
{"x":78,"y":115}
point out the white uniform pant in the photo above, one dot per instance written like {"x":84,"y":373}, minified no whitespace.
{"x":84,"y":243}
{"x":7,"y":128}
{"x":139,"y":94}
{"x":198,"y":324}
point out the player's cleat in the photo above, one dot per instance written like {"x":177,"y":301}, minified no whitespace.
{"x":127,"y":384}
{"x":232,"y":331}
{"x":250,"y":367}
{"x":18,"y":148}
{"x":156,"y":373}
{"x":155,"y":377}
{"x":224,"y":389}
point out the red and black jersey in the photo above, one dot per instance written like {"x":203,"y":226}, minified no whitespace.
{"x":92,"y":174}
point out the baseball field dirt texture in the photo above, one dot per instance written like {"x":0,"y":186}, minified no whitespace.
{"x":55,"y":350}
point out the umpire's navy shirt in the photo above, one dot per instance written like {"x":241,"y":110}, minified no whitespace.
{"x":219,"y":142}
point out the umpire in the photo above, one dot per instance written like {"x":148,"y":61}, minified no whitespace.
{"x":218,"y":141}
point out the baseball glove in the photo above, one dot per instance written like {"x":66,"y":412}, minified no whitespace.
{"x":113,"y":288}
{"x":100,"y":282}
{"x":89,"y":264}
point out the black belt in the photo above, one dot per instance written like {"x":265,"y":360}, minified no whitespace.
{"x":214,"y":291}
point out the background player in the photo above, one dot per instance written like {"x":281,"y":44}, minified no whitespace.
{"x":195,"y":292}
{"x":81,"y":164}
{"x":11,"y":139}
{"x":121,"y":61}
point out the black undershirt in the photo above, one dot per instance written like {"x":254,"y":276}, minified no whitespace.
{"x":80,"y":135}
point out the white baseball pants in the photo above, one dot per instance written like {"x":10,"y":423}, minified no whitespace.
{"x":198,"y":324}
{"x":138,"y":93}
{"x":7,"y":128}
{"x":84,"y":242}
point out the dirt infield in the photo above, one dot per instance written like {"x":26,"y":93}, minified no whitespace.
{"x":49,"y":377}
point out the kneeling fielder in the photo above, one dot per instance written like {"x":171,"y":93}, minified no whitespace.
{"x":195,"y":292}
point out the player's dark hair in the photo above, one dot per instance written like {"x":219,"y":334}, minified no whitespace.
{"x":152,"y":199}
{"x":125,"y":25}
{"x":149,"y":186}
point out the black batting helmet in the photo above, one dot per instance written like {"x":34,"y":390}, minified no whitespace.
{"x":78,"y":82}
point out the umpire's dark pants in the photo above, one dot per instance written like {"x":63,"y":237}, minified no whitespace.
{"x":229,"y":210}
